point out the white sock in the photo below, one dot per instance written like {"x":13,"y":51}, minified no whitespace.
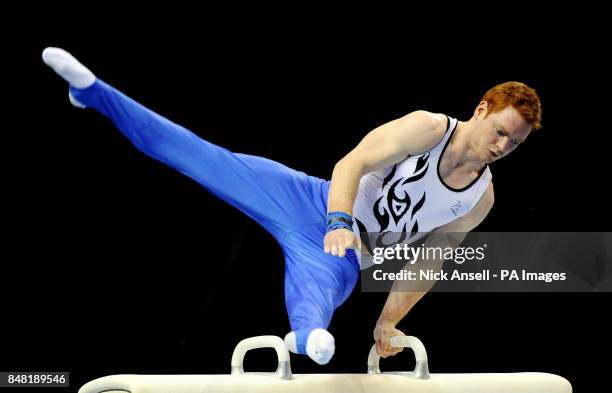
{"x":320,"y":346}
{"x":291,"y":342}
{"x":69,"y":68}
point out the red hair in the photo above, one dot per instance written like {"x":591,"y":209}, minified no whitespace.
{"x":522,"y":98}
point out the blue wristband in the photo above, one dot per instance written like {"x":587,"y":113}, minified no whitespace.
{"x":337,"y":220}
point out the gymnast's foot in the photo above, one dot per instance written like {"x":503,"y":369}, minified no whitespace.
{"x":320,"y":346}
{"x":70,"y":69}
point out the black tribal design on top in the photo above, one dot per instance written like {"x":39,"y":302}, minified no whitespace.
{"x":393,"y":207}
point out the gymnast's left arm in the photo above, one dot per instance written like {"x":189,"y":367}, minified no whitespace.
{"x":401,"y":299}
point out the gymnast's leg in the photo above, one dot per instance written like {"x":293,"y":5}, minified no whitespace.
{"x":282,"y":200}
{"x":277,"y":197}
{"x":315,"y":285}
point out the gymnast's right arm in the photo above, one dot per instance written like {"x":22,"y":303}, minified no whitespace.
{"x":386,"y":145}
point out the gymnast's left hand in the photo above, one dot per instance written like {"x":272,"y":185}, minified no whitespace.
{"x":383,"y":332}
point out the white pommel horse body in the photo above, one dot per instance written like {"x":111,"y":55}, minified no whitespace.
{"x":284,"y":381}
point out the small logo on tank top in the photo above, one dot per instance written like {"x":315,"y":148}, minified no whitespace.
{"x":455,"y":208}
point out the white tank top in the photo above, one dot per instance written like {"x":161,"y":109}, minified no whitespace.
{"x":410,"y":198}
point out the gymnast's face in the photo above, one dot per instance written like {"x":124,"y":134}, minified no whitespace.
{"x":499,"y":133}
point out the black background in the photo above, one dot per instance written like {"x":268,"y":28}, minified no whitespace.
{"x":114,"y":263}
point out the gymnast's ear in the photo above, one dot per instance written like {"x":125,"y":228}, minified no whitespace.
{"x":481,"y":110}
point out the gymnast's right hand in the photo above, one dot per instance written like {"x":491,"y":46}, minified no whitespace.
{"x":337,"y":241}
